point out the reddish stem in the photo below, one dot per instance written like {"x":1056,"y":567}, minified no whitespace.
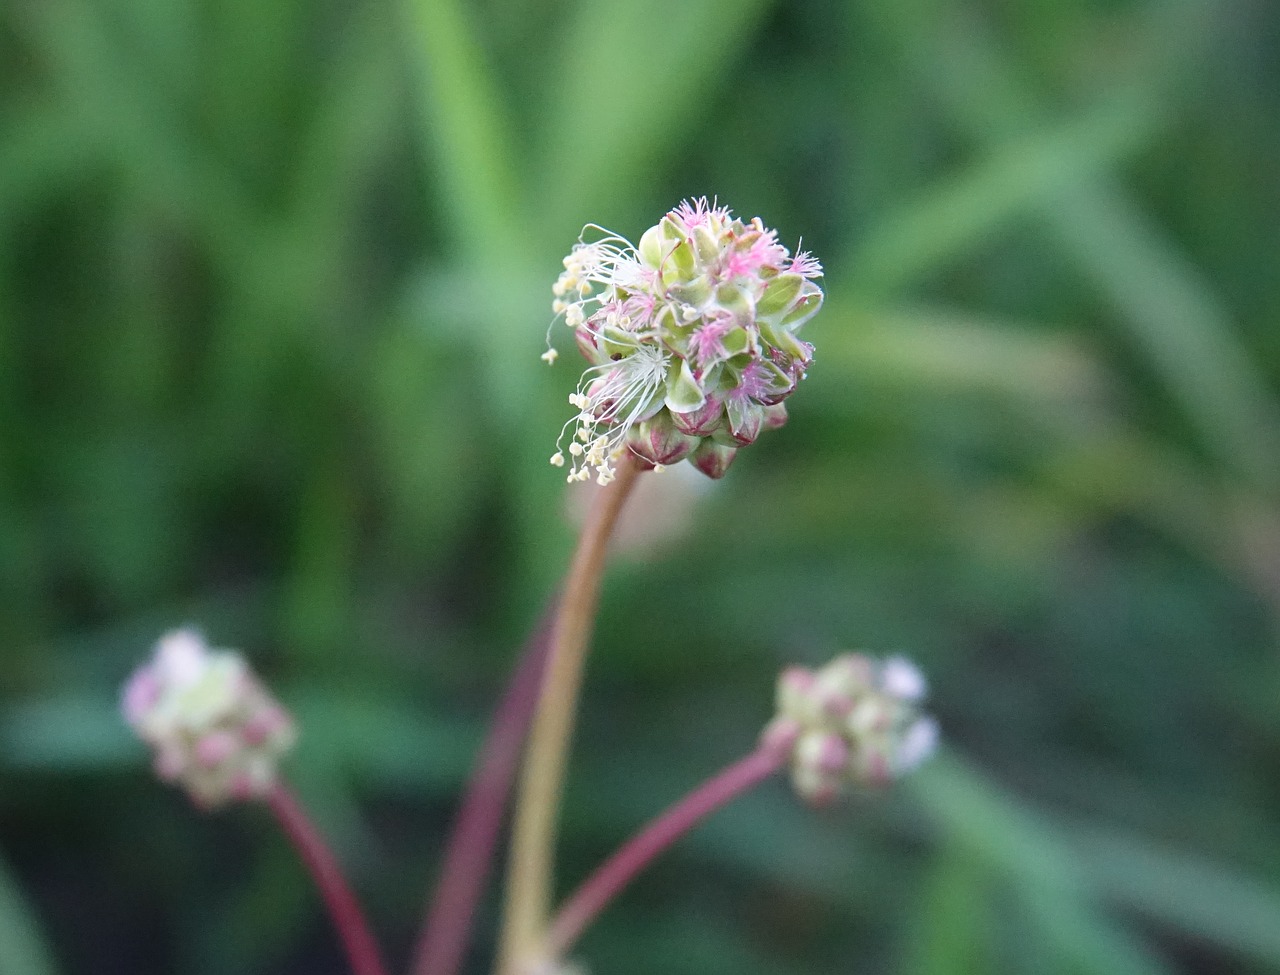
{"x":469,"y":855}
{"x":616,"y":873}
{"x":344,"y":909}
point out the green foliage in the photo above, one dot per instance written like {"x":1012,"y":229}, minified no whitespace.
{"x":273,"y":284}
{"x":22,"y":948}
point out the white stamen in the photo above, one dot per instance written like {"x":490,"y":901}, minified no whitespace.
{"x":611,"y":399}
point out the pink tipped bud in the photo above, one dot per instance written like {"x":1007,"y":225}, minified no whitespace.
{"x":746,"y":419}
{"x":140,"y":693}
{"x":794,"y":686}
{"x":658,"y":441}
{"x":169,"y":763}
{"x":833,"y":701}
{"x":775,"y":416}
{"x":713,"y":459}
{"x":240,"y":787}
{"x":213,"y":727}
{"x":215,"y":748}
{"x":269,"y":723}
{"x":833,"y":755}
{"x":701,"y":422}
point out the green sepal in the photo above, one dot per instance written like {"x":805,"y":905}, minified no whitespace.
{"x":679,"y":266}
{"x":779,"y":383}
{"x":654,"y":247}
{"x":782,"y":339}
{"x":706,"y":245}
{"x":684,"y":395}
{"x":805,"y":308}
{"x":745,"y":419}
{"x":738,"y":303}
{"x":616,"y":342}
{"x":665,"y":321}
{"x":737,"y":342}
{"x":693,"y":292}
{"x":779,"y":295}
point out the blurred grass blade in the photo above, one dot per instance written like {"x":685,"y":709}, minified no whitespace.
{"x":39,"y":153}
{"x":467,"y":132}
{"x":67,"y":733}
{"x":1041,"y":868}
{"x":357,"y":117}
{"x":129,"y":115}
{"x":466,"y":128}
{"x":994,"y":827}
{"x":946,"y":351}
{"x":635,"y":80}
{"x":23,"y":948}
{"x":1124,"y":471}
{"x":1161,"y":299}
{"x":1183,"y":328}
{"x":1187,"y":893}
{"x":1013,"y":179}
{"x":1088,"y":941}
{"x":951,"y":934}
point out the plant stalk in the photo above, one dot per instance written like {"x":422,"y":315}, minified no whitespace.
{"x":469,"y":854}
{"x":616,"y":873}
{"x":529,"y":880}
{"x":353,"y":930}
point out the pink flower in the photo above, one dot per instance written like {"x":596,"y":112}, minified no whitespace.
{"x":701,"y":313}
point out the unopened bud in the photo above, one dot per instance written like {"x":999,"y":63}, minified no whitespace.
{"x":854,"y":721}
{"x":713,"y":459}
{"x":213,"y":727}
{"x":658,"y":441}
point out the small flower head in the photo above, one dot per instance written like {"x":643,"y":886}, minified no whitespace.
{"x":212,"y":726}
{"x":690,"y":336}
{"x":855,"y":721}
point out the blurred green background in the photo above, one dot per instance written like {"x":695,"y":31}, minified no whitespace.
{"x":273,"y":282}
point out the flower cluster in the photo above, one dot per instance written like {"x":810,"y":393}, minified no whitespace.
{"x":213,"y":727}
{"x":855,"y":721}
{"x":690,"y":336}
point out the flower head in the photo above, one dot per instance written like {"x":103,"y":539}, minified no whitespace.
{"x":690,"y":338}
{"x":855,"y":721}
{"x":212,"y":726}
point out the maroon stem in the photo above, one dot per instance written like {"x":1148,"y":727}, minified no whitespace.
{"x":344,"y":909}
{"x":613,"y":876}
{"x":469,"y":855}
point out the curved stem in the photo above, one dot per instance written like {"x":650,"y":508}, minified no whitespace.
{"x":616,"y":873}
{"x":475,"y":832}
{"x":344,"y":909}
{"x":528,"y":893}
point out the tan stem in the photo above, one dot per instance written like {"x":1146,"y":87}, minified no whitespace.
{"x":529,"y":879}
